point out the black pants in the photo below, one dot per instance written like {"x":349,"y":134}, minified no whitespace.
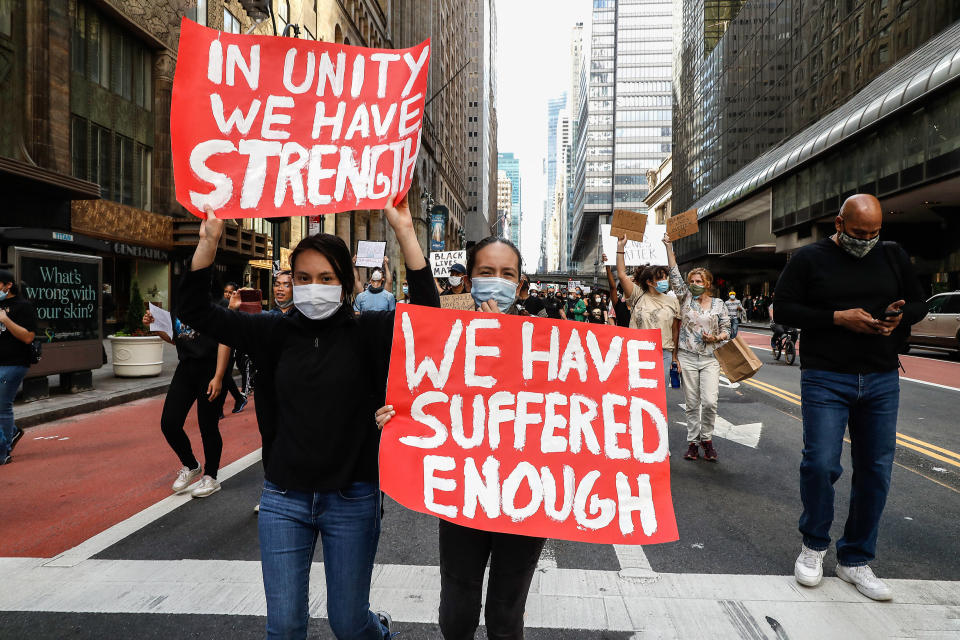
{"x":463,"y":557}
{"x":189,"y":385}
{"x":230,"y":385}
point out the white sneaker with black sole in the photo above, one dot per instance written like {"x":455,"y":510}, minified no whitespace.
{"x":808,"y":569}
{"x":865,"y":581}
{"x":184,"y":478}
{"x":206,"y":487}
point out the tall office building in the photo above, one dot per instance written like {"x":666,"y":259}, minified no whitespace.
{"x":511,"y":164}
{"x":481,"y":81}
{"x":556,"y":229}
{"x":504,"y":205}
{"x":554,"y":106}
{"x":785,"y":109}
{"x":574,"y":99}
{"x":625,"y":129}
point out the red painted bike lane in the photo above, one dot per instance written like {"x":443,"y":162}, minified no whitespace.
{"x":930,"y":370}
{"x":74,"y":478}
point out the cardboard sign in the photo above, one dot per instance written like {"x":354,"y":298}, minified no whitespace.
{"x":573,"y":284}
{"x":264,"y":126}
{"x":628,"y":223}
{"x":529,"y":426}
{"x":370,"y":254}
{"x":458,"y":301}
{"x":682,"y":225}
{"x":441,"y":261}
{"x":635,"y":254}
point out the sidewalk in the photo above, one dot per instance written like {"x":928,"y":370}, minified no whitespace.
{"x":107,"y":392}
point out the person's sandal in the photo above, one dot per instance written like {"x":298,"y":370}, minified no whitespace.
{"x":692,"y":452}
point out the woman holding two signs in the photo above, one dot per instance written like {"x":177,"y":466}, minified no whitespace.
{"x":323,"y":374}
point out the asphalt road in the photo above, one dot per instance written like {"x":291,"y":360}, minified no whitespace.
{"x":738,"y":516}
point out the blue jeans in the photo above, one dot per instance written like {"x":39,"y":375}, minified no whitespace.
{"x":348,"y":523}
{"x":868,"y":404}
{"x":734,"y":327}
{"x":10,"y":379}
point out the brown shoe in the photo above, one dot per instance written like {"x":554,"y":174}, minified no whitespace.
{"x":709,"y":453}
{"x":692,"y":452}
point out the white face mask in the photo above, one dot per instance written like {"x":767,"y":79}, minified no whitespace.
{"x":455,"y":280}
{"x":317,"y":301}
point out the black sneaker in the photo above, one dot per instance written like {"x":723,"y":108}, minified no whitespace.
{"x":16,"y":438}
{"x":385,"y":620}
{"x":238,"y":407}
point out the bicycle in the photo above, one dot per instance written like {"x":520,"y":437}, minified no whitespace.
{"x":784,"y":341}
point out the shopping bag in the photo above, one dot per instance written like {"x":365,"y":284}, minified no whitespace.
{"x":737,"y":360}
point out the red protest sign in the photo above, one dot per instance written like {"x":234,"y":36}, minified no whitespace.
{"x":263,"y":126}
{"x":529,"y":426}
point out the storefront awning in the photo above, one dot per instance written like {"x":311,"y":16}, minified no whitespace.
{"x":931,"y":67}
{"x":45,"y":183}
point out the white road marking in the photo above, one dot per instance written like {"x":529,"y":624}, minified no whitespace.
{"x":92,"y":546}
{"x":746,"y":434}
{"x":559,"y":598}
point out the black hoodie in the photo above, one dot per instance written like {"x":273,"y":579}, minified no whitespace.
{"x":319,"y":381}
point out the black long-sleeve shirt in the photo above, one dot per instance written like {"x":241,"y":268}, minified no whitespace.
{"x":319,"y":381}
{"x":822,"y":278}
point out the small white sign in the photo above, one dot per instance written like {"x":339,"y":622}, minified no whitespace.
{"x":441,"y":261}
{"x":161,"y":320}
{"x":650,"y":251}
{"x":370,"y":254}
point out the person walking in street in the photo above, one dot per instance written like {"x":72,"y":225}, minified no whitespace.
{"x":554,"y":305}
{"x":282,"y":293}
{"x":855,"y":299}
{"x":327,"y":369}
{"x":704,"y":326}
{"x":198,"y":379}
{"x":456,"y":283}
{"x":18,"y":327}
{"x":576,"y":307}
{"x":494,"y":265}
{"x":527,"y":300}
{"x":375,"y":298}
{"x":735,"y":310}
{"x":651,"y":307}
{"x":596,"y":309}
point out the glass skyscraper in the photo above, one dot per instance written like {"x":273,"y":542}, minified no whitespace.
{"x":511,"y":165}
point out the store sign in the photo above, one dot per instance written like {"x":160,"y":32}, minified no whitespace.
{"x":65,"y":290}
{"x":135,"y":251}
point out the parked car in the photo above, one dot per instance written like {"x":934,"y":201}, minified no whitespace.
{"x":941,"y":328}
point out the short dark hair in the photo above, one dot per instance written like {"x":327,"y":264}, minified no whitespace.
{"x":649,"y":272}
{"x":472,"y":253}
{"x":7,"y":276}
{"x":231,"y":284}
{"x":335,"y":250}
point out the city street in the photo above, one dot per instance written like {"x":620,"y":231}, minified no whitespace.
{"x":93,"y":545}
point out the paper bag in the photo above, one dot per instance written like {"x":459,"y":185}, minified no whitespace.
{"x":737,"y":360}
{"x":628,"y":223}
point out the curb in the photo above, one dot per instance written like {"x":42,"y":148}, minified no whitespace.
{"x":89,"y":406}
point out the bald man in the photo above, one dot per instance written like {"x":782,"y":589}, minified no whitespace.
{"x":855,"y":299}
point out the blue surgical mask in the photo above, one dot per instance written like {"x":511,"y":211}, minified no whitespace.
{"x":501,"y":291}
{"x":406,"y":289}
{"x":663,"y":286}
{"x":3,"y":295}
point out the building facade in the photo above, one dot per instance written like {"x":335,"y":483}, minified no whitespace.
{"x":625,"y":129}
{"x":504,"y":205}
{"x":509,"y":163}
{"x":786,"y":108}
{"x":481,"y":48}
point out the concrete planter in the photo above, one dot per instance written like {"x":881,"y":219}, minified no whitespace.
{"x":136,"y":357}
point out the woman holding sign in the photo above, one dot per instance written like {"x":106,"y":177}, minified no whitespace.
{"x":494,"y":272}
{"x":704,"y":326}
{"x":324,"y":373}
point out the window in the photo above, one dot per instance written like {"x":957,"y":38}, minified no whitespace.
{"x":78,"y":147}
{"x":201,"y":12}
{"x":6,"y":18}
{"x":230,"y":23}
{"x":78,"y":41}
{"x":100,"y":159}
{"x":938,"y":304}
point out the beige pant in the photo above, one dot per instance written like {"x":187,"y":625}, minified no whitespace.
{"x":701,"y":386}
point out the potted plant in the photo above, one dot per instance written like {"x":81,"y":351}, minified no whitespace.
{"x":136,"y":353}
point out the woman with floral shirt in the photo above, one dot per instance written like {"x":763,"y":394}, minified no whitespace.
{"x":704,"y":326}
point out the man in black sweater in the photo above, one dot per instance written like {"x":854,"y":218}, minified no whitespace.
{"x":855,"y":299}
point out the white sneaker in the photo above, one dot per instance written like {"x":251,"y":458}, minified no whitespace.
{"x":207,"y":486}
{"x":184,"y":477}
{"x":866,"y":582}
{"x":808,"y":569}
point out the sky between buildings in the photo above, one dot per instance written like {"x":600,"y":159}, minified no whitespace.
{"x":533,"y":66}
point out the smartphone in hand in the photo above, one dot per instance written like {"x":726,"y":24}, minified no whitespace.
{"x":250,"y":300}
